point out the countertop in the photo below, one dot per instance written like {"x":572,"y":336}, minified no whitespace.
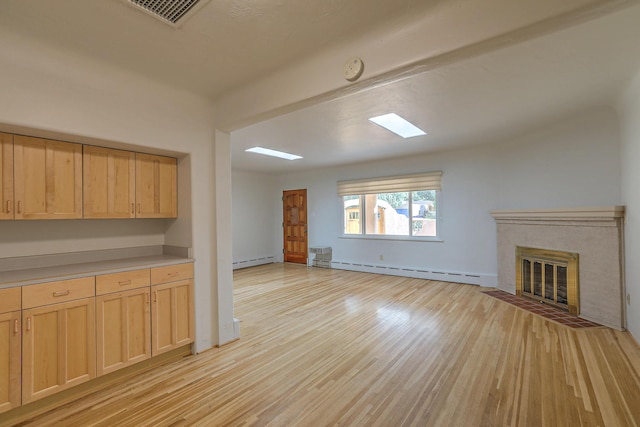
{"x":32,"y":276}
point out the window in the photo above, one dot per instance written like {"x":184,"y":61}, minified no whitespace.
{"x":410,"y":212}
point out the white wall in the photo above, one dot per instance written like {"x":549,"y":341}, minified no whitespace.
{"x":629,"y":108}
{"x":571,"y":163}
{"x":255,"y":203}
{"x":55,"y":92}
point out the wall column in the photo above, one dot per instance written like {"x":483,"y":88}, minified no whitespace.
{"x":223,"y":238}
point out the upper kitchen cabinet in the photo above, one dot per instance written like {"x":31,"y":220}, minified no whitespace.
{"x":109,"y":183}
{"x":6,"y":176}
{"x":47,"y":178}
{"x":156,"y":186}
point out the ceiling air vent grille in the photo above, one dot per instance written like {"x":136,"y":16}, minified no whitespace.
{"x":168,"y":10}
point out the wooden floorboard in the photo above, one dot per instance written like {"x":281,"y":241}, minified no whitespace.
{"x":328,"y":347}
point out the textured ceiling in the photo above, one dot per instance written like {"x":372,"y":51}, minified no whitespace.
{"x":281,"y":60}
{"x":226,"y":44}
{"x":489,"y":98}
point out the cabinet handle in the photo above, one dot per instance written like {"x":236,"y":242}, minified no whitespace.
{"x":28,"y":323}
{"x":173,"y":274}
{"x":124,"y":283}
{"x":8,"y":206}
{"x":146,"y":297}
{"x":61,"y":293}
{"x":133,"y":209}
{"x":15,"y":326}
{"x":155,"y":296}
{"x":19,"y":206}
{"x":139,"y":210}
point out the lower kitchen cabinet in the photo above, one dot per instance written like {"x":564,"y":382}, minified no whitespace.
{"x":123,"y":322}
{"x":172,"y":315}
{"x":55,"y":335}
{"x":58,"y":347}
{"x":9,"y":360}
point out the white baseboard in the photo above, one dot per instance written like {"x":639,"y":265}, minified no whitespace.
{"x":253,"y":262}
{"x":236,"y":328}
{"x":485,"y":280}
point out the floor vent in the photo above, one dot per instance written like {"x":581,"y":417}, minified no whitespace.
{"x":169,"y":11}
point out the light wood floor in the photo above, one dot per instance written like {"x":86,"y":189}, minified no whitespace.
{"x":329,"y":347}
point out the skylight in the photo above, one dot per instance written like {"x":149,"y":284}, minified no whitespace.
{"x":274,"y":153}
{"x":397,"y":125}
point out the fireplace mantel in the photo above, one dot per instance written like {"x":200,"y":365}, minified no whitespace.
{"x":601,"y":213}
{"x":595,"y":233}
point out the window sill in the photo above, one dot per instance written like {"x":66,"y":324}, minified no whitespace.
{"x":393,"y":238}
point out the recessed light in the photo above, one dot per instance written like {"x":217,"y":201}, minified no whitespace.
{"x":273,"y":153}
{"x":397,"y":125}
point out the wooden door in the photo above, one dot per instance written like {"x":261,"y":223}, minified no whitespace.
{"x":6,"y":176}
{"x":58,"y":347}
{"x":123,"y":324}
{"x":294,"y":214}
{"x":47,"y":178}
{"x":109,"y":183}
{"x":172,"y":316}
{"x":9,"y":360}
{"x":156,"y":186}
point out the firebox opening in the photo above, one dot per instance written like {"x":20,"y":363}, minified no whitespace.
{"x":548,"y":276}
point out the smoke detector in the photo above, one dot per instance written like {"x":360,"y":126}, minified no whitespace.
{"x":353,"y":69}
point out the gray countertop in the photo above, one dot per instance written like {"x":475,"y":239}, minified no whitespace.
{"x":31,"y":276}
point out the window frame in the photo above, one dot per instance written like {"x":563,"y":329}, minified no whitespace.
{"x":396,"y":237}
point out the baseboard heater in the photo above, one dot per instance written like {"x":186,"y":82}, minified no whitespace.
{"x":252,"y":262}
{"x":487,"y":280}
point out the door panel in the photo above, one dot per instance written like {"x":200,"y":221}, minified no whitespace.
{"x":109,"y":183}
{"x":294,"y":204}
{"x":6,"y":176}
{"x":58,"y":348}
{"x":47,"y":179}
{"x":9,"y":361}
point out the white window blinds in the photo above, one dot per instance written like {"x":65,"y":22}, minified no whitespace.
{"x":391,"y":184}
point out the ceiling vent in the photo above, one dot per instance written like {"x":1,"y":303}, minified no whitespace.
{"x":173,"y":12}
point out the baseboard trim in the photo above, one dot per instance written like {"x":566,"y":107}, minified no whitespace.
{"x":484,"y":280}
{"x":253,"y":262}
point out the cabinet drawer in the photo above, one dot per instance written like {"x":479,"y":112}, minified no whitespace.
{"x":117,"y":282}
{"x":171,"y":273}
{"x":10,"y":299}
{"x":54,"y":292}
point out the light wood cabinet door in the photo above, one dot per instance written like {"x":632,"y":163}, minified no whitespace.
{"x":156,"y":186}
{"x":172,"y":316}
{"x":47,"y":178}
{"x":123,"y":329}
{"x":9,"y":360}
{"x":6,"y":176}
{"x":108,"y":183}
{"x":58,"y":347}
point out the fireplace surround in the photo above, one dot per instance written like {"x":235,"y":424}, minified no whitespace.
{"x":595,"y":235}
